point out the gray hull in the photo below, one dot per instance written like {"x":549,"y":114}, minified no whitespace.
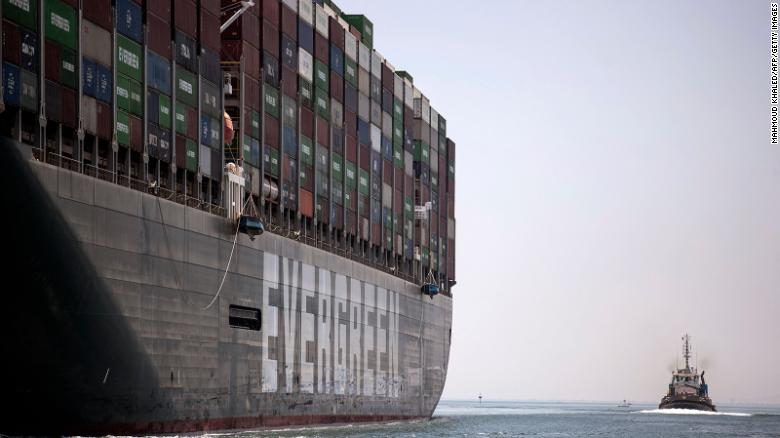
{"x":110,"y":330}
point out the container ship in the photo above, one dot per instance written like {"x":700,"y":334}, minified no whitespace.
{"x":219,"y":215}
{"x":687,"y":390}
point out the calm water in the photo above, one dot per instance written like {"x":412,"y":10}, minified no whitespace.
{"x":525,"y":419}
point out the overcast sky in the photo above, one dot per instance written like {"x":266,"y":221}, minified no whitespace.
{"x":615,"y":188}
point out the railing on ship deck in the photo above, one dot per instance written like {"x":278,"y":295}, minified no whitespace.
{"x":180,"y":198}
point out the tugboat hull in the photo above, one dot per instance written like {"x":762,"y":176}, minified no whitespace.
{"x":698,"y":404}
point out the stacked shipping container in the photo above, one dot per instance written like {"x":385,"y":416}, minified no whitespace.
{"x":327,"y":131}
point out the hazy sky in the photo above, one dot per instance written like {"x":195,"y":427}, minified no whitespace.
{"x":615,"y":188}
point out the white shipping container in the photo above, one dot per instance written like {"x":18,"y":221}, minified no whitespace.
{"x":336,"y":112}
{"x":364,"y":56}
{"x":387,"y":196}
{"x":305,"y":65}
{"x":387,"y":125}
{"x":376,"y":113}
{"x":343,"y":23}
{"x":321,"y":20}
{"x":292,"y":4}
{"x":96,"y":43}
{"x":350,"y":46}
{"x":89,"y":114}
{"x":306,"y":11}
{"x":376,"y":138}
{"x":364,"y":81}
{"x":451,"y":228}
{"x":398,"y":87}
{"x":418,"y":107}
{"x":408,"y":94}
{"x":426,"y":110}
{"x":376,"y":64}
{"x":434,"y":120}
{"x":364,"y":106}
{"x":204,"y":160}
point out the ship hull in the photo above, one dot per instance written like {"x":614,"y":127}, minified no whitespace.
{"x":110,"y":329}
{"x":697,"y":405}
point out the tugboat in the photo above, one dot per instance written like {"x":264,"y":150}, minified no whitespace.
{"x":688,"y":390}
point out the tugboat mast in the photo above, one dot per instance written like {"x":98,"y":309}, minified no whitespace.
{"x":687,"y":350}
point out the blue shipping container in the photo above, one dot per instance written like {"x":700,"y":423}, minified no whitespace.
{"x":305,"y":36}
{"x":209,"y":66}
{"x":11,"y":84}
{"x":89,"y":77}
{"x":158,"y":72}
{"x":336,"y":60}
{"x":364,"y":132}
{"x":205,"y":129}
{"x":105,"y":90}
{"x":387,"y":148}
{"x":255,"y":151}
{"x":128,"y":20}
{"x":29,"y":51}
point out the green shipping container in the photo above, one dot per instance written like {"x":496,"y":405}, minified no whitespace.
{"x":323,"y":104}
{"x":181,"y":118}
{"x":349,"y":203}
{"x":29,"y":98}
{"x":24,"y":12}
{"x":187,"y":88}
{"x":408,"y":210}
{"x":192,"y":155}
{"x":165,"y":111}
{"x":337,"y":167}
{"x":398,"y":109}
{"x":363,"y":182}
{"x":321,"y":76}
{"x":272,"y":101}
{"x":60,"y":22}
{"x":122,"y":128}
{"x":129,"y":96}
{"x":350,"y":171}
{"x":271,"y":157}
{"x":307,"y":156}
{"x":350,"y":72}
{"x":306,"y":177}
{"x":365,"y":26}
{"x":129,"y":58}
{"x":398,"y":156}
{"x":68,"y":71}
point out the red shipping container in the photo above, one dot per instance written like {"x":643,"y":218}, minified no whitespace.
{"x":450,"y":150}
{"x":271,"y":131}
{"x":451,"y":206}
{"x":355,"y":32}
{"x":388,"y":78}
{"x":251,"y":60}
{"x":211,"y":6}
{"x":289,"y":82}
{"x":399,"y":178}
{"x":246,"y":28}
{"x":12,"y":42}
{"x":425,"y":194}
{"x":231,"y":50}
{"x":53,"y":61}
{"x":192,"y":126}
{"x":136,"y":134}
{"x":98,"y":12}
{"x":323,"y":213}
{"x":408,"y":185}
{"x":161,"y":9}
{"x":185,"y":17}
{"x":434,"y":223}
{"x":69,"y":109}
{"x":181,"y":152}
{"x":289,"y":23}
{"x":321,"y":48}
{"x":271,"y":11}
{"x":376,"y":234}
{"x":364,"y":157}
{"x":307,"y":122}
{"x":398,"y":201}
{"x":158,"y":35}
{"x":350,"y":219}
{"x":305,"y":203}
{"x":350,"y":123}
{"x":323,"y":132}
{"x":209,"y":30}
{"x":270,"y":41}
{"x":308,"y":183}
{"x":251,"y":93}
{"x":103,"y":121}
{"x":351,"y":154}
{"x":336,"y":33}
{"x":336,"y":87}
{"x":286,"y":176}
{"x":387,"y":172}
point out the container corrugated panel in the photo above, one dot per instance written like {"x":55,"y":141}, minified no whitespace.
{"x":104,"y":121}
{"x":204,"y":160}
{"x":270,"y":11}
{"x":209,"y":66}
{"x":69,"y":109}
{"x":12,"y":42}
{"x":289,"y":51}
{"x":158,"y":35}
{"x":289,"y":22}
{"x":336,"y":33}
{"x":53,"y":61}
{"x":185,"y":17}
{"x":128,"y":19}
{"x":186,"y":51}
{"x":129,"y":58}
{"x":186,"y":87}
{"x":305,"y":36}
{"x":209,"y":30}
{"x":53,"y":101}
{"x":246,"y":28}
{"x":24,"y":13}
{"x":29,"y":51}
{"x":270,"y":69}
{"x":60,"y":23}
{"x":158,"y":72}
{"x":270,"y":40}
{"x":306,"y":11}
